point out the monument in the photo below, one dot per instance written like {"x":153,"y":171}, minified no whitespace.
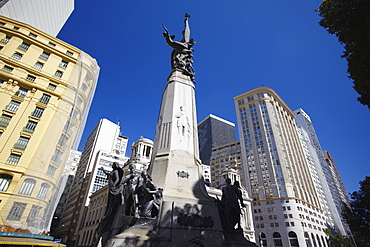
{"x":186,"y":214}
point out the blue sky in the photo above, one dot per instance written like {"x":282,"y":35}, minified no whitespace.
{"x":241,"y":45}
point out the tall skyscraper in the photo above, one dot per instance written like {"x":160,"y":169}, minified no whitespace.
{"x":336,"y":186}
{"x":213,"y":131}
{"x":48,"y":16}
{"x":286,"y":207}
{"x":46,"y":88}
{"x":322,"y":174}
{"x":226,"y":156}
{"x":104,"y":146}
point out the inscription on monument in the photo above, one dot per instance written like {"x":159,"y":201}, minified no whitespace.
{"x":195,"y":220}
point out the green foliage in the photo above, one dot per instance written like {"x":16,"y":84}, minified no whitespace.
{"x":349,"y":20}
{"x":339,"y":240}
{"x":358,"y":214}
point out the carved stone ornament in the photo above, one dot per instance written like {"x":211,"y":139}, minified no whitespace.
{"x":183,"y":174}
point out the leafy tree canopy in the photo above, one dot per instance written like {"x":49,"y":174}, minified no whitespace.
{"x":358,"y":215}
{"x":349,"y":20}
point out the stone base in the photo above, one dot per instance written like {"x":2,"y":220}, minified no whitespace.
{"x":179,"y":225}
{"x":236,"y":239}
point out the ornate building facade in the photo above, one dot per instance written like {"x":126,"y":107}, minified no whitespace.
{"x":46,"y":89}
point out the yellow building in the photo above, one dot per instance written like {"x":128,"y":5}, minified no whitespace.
{"x":46,"y":89}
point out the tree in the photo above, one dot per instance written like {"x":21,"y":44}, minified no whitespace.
{"x":357,"y":215}
{"x":349,"y":20}
{"x":338,"y":240}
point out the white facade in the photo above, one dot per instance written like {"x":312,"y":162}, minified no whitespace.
{"x":286,"y":207}
{"x":47,"y":15}
{"x":101,"y":150}
{"x":319,"y":169}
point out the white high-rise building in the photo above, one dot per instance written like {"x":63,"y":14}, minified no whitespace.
{"x":47,"y":15}
{"x":104,"y":146}
{"x":322,"y":173}
{"x":286,"y":206}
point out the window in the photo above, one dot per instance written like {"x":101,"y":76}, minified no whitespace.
{"x":4,"y":120}
{"x":51,"y":44}
{"x":2,"y":81}
{"x":16,"y":28}
{"x":2,"y":24}
{"x":51,"y":170}
{"x":24,"y":46}
{"x":6,"y":40}
{"x":69,"y":53}
{"x":37,"y":112}
{"x":13,"y":159}
{"x":16,"y":211}
{"x":13,"y":106}
{"x":17,"y":56}
{"x":22,"y":142}
{"x":63,"y":140}
{"x":8,"y":69}
{"x":27,"y":186}
{"x":262,"y":238}
{"x":31,"y":78}
{"x":21,"y":93}
{"x":45,"y":99}
{"x":33,"y":216}
{"x":32,"y":35}
{"x":52,"y":87}
{"x":30,"y":127}
{"x":63,"y":64}
{"x":5,"y":180}
{"x":56,"y":156}
{"x":83,"y":87}
{"x":43,"y":190}
{"x":38,"y":65}
{"x":277,"y":239}
{"x":293,"y":239}
{"x":58,"y":74}
{"x":44,"y":56}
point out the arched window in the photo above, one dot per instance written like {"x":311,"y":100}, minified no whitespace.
{"x":318,"y":240}
{"x":277,"y":239}
{"x":5,"y":180}
{"x":262,"y":239}
{"x":313,"y":240}
{"x":307,"y":239}
{"x":43,"y":190}
{"x":27,"y":186}
{"x":293,"y":239}
{"x":323,"y":241}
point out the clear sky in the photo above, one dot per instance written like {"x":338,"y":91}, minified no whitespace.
{"x":241,"y":45}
